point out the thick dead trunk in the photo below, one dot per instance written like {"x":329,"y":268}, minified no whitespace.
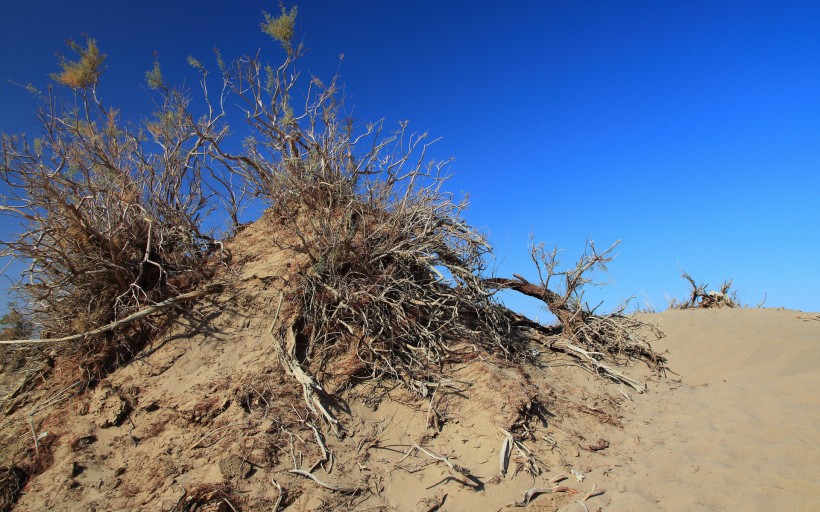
{"x":557,"y":305}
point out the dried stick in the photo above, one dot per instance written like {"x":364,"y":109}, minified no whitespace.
{"x":591,"y":493}
{"x":506,"y":450}
{"x":51,"y":401}
{"x":587,"y":356}
{"x":456,"y":468}
{"x":336,"y":488}
{"x":327,"y":455}
{"x":529,"y":494}
{"x":214,"y":431}
{"x":119,"y":323}
{"x":278,"y":499}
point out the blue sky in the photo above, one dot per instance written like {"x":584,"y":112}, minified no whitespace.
{"x":689,"y":130}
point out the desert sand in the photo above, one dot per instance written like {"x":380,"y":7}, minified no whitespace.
{"x":740,"y":432}
{"x":209,"y":421}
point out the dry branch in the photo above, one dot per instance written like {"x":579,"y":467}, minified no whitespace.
{"x":585,"y":335}
{"x":185,"y":297}
{"x":440,"y":458}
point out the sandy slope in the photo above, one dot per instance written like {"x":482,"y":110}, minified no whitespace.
{"x":742,"y":432}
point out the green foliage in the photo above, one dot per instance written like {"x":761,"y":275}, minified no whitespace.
{"x":33,"y":90}
{"x":154,"y":77}
{"x":220,"y":62}
{"x":85,"y":71}
{"x":194,"y":63}
{"x":282,"y":27}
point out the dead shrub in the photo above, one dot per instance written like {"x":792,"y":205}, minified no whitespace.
{"x":110,"y":216}
{"x":390,"y":283}
{"x":582,"y":333}
{"x":562,"y":292}
{"x":700,"y":298}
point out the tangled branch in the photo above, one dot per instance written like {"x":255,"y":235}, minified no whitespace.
{"x":700,"y":298}
{"x":111,"y":217}
{"x":586,"y":335}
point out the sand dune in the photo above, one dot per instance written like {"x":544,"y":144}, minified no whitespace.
{"x":741,"y":430}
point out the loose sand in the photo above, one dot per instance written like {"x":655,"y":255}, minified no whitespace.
{"x":741,"y":432}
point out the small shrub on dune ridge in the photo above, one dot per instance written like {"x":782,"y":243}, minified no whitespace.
{"x":701,"y":298}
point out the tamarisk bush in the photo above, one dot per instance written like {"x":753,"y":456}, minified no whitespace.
{"x":390,"y":284}
{"x":110,"y":217}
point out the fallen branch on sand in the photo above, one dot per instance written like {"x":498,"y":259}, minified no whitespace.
{"x":588,"y":357}
{"x":336,"y":488}
{"x":119,"y":323}
{"x":532,"y":492}
{"x":454,"y":467}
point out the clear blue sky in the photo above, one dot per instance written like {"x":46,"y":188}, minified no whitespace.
{"x":690,"y":130}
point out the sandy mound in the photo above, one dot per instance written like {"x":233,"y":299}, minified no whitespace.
{"x":204,"y":418}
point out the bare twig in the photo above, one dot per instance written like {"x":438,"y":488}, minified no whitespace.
{"x":336,"y":488}
{"x":279,"y":498}
{"x":453,"y":467}
{"x":214,"y":431}
{"x":125,"y":321}
{"x":52,"y":400}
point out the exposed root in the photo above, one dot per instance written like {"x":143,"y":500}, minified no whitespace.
{"x":201,"y":496}
{"x":286,"y":351}
{"x":12,"y":480}
{"x":280,"y":498}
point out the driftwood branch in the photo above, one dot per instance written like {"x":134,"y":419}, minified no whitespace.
{"x":185,"y":297}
